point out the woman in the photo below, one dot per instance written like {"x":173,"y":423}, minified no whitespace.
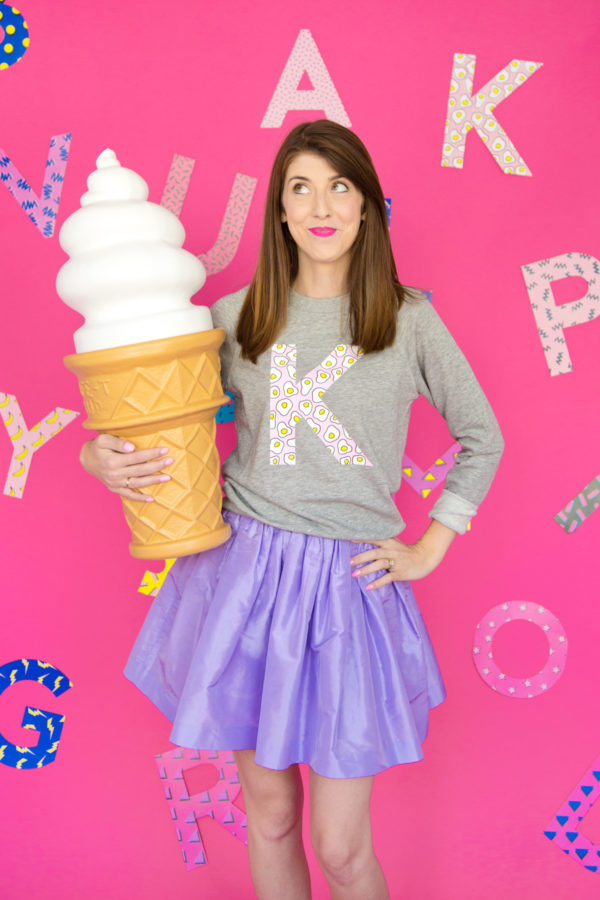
{"x":273,"y":645}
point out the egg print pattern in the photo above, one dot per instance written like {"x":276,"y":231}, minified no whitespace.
{"x":292,"y":400}
{"x":466,"y":112}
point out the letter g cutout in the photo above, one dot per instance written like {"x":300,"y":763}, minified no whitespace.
{"x":49,"y":724}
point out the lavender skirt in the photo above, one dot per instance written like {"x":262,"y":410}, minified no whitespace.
{"x":267,"y":642}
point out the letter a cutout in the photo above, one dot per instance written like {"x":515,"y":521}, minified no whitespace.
{"x":305,"y":57}
{"x":291,"y":401}
{"x":466,"y":112}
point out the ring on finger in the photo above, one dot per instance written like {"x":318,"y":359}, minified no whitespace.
{"x":390,"y":564}
{"x":127,"y":481}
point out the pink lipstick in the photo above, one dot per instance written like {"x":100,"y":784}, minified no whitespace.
{"x":322,"y":232}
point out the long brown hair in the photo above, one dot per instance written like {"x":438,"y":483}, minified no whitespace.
{"x":375,"y":291}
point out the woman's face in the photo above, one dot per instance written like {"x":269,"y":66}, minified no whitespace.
{"x":322,"y":210}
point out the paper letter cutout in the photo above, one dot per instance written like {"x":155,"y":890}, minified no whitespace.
{"x":582,"y":506}
{"x":177,"y":183}
{"x":426,"y":482}
{"x":217,"y":803}
{"x":15,"y":39}
{"x":291,"y":401}
{"x":153,"y":581}
{"x":466,"y":112}
{"x":305,"y":57}
{"x":563,"y":828}
{"x":552,"y":319}
{"x":49,"y":724}
{"x":236,"y":212}
{"x":25,"y":441}
{"x":226,"y":413}
{"x":42,"y":211}
{"x":225,"y":247}
{"x":525,"y":688}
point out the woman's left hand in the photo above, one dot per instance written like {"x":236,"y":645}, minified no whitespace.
{"x":404,"y":562}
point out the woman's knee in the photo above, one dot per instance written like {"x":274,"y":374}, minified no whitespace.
{"x":341,"y":825}
{"x":342,"y":858}
{"x":273,"y":798}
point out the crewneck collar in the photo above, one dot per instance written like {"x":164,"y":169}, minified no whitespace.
{"x":295,"y":295}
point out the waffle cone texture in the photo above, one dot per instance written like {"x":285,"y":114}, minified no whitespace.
{"x":164,"y":393}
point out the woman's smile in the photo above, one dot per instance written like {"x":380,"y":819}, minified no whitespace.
{"x":322,"y":232}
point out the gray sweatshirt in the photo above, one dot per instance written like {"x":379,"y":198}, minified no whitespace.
{"x":321,"y":426}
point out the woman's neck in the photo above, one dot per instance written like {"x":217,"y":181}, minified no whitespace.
{"x":317,"y":282}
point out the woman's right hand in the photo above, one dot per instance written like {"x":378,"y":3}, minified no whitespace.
{"x":122,"y":468}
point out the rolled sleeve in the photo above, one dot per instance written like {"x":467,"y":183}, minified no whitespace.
{"x":447,"y":381}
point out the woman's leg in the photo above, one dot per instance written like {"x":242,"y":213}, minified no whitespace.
{"x":340,"y":827}
{"x":273,"y":801}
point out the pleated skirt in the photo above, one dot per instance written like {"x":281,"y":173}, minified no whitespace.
{"x":267,"y":642}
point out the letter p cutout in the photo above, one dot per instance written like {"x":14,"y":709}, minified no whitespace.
{"x":551,"y":320}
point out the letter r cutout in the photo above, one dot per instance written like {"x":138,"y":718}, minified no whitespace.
{"x":292,"y":401}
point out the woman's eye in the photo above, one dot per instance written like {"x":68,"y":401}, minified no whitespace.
{"x":299,"y":188}
{"x":339,"y":186}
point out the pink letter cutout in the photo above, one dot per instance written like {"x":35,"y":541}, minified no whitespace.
{"x":236,"y":212}
{"x":305,"y":57}
{"x":426,"y":482}
{"x":563,"y":827}
{"x":483,"y":657}
{"x":552,"y":319}
{"x":186,"y":810}
{"x":177,"y":183}
{"x":290,"y":402}
{"x":25,"y":441}
{"x":41,"y":210}
{"x":466,"y":112}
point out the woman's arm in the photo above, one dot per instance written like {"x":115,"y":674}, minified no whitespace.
{"x":122,"y":468}
{"x":409,"y":561}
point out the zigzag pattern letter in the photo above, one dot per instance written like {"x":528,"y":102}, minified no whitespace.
{"x":551,"y":320}
{"x":41,"y":210}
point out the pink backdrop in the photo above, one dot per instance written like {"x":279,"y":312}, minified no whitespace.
{"x":152,"y":80}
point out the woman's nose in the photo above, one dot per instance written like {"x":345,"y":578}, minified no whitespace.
{"x":321,"y":207}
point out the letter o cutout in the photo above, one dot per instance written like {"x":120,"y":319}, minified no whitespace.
{"x":14,"y":40}
{"x":524,"y":688}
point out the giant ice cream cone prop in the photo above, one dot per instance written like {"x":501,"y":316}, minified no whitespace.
{"x":147,"y":358}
